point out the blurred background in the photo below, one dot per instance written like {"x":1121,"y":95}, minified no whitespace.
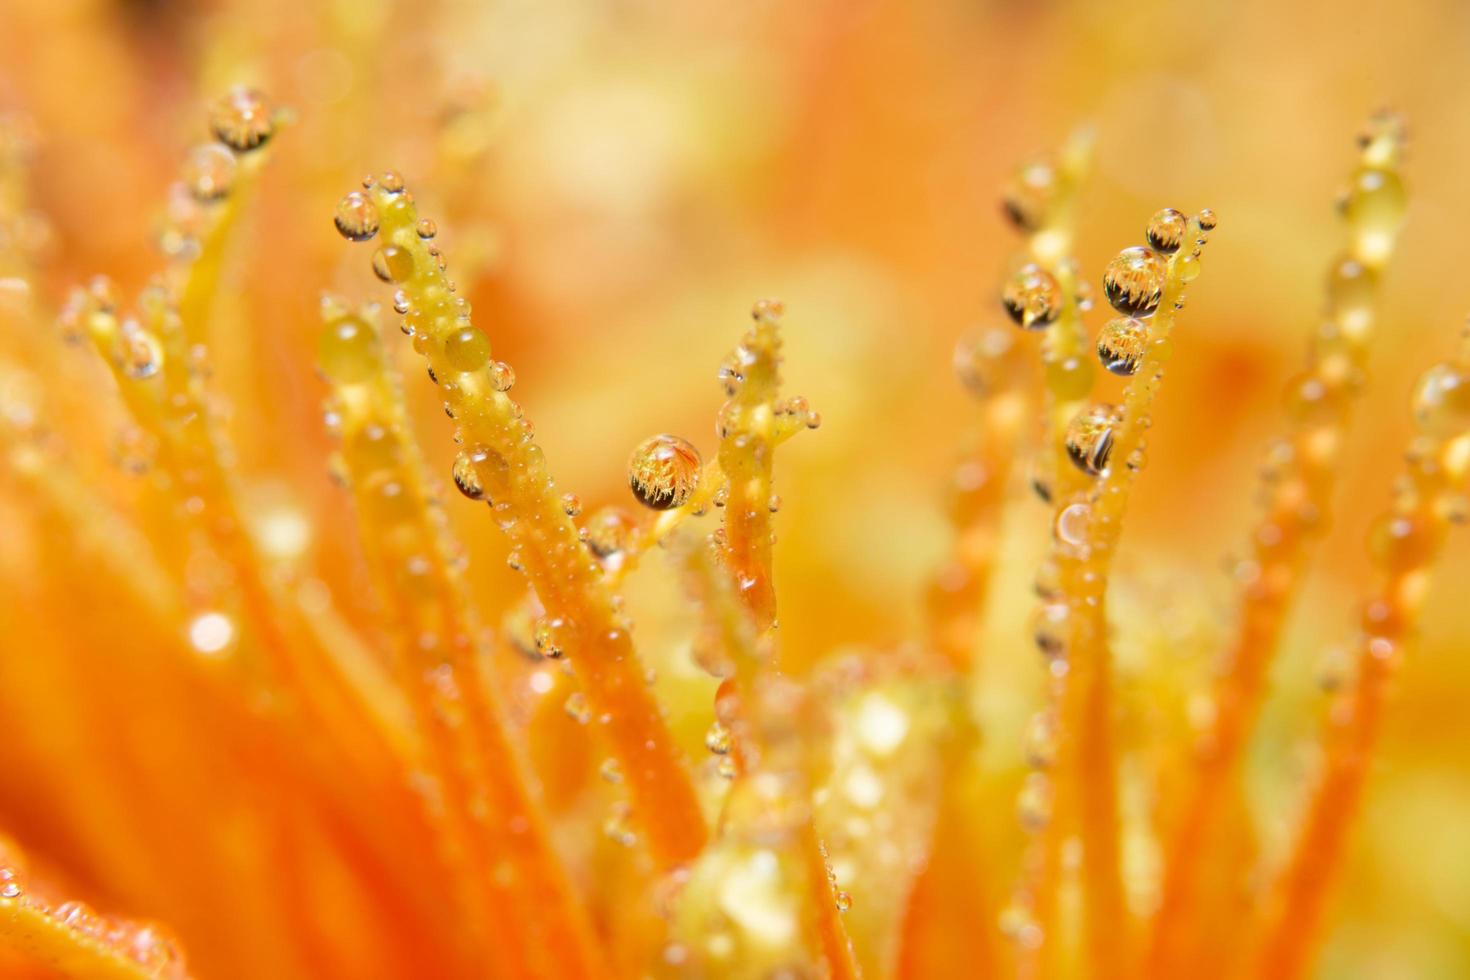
{"x":616,"y":182}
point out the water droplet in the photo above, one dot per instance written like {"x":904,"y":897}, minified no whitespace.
{"x":427,"y":229}
{"x":1030,"y":196}
{"x":242,"y":119}
{"x":1049,"y":628}
{"x":979,"y":360}
{"x":209,"y":172}
{"x":1040,"y":740}
{"x":1032,"y":297}
{"x":467,"y":476}
{"x":391,"y":182}
{"x":1090,"y":437}
{"x":843,"y":901}
{"x":393,"y":264}
{"x":1033,"y":805}
{"x":502,"y":376}
{"x":551,"y":636}
{"x":1072,"y":524}
{"x":1166,"y":230}
{"x":1374,"y":209}
{"x":140,"y":354}
{"x":1442,"y":402}
{"x":1352,"y":288}
{"x":609,"y":531}
{"x":1069,"y":379}
{"x":1207,"y":220}
{"x":467,"y":350}
{"x":1134,"y":281}
{"x":571,"y":504}
{"x":616,"y":826}
{"x":1121,"y":345}
{"x":611,"y":771}
{"x":577,"y":708}
{"x":1401,"y":543}
{"x":717,"y":739}
{"x":348,"y":352}
{"x":664,"y":472}
{"x":357,"y":217}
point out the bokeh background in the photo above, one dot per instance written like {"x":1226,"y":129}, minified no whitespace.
{"x":616,"y":182}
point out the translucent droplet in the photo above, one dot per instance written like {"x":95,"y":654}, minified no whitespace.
{"x":1049,"y":628}
{"x":1033,"y":805}
{"x":550,"y":637}
{"x":1032,"y":297}
{"x":467,"y":476}
{"x":502,"y":376}
{"x":664,"y":472}
{"x":717,"y":739}
{"x":1069,"y":379}
{"x":1207,"y":219}
{"x":843,"y":901}
{"x":467,"y":350}
{"x":427,"y":229}
{"x":1072,"y":524}
{"x":242,"y":119}
{"x":577,"y":708}
{"x":209,"y":172}
{"x":1352,"y":288}
{"x":348,"y":353}
{"x":571,"y":504}
{"x":979,"y":360}
{"x":1090,"y":437}
{"x":391,"y":182}
{"x":1401,"y":543}
{"x":611,"y":771}
{"x":609,"y":531}
{"x":1121,"y":345}
{"x":1442,"y":402}
{"x":1374,"y":209}
{"x":140,"y":354}
{"x":1030,"y":196}
{"x":357,"y":217}
{"x":1312,"y":401}
{"x":1166,"y":230}
{"x":1040,"y":740}
{"x":1134,"y":281}
{"x":393,"y":264}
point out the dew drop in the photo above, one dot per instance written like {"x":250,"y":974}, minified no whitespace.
{"x":609,"y":531}
{"x":502,"y":376}
{"x":1442,"y":402}
{"x":1166,"y":230}
{"x":348,"y":353}
{"x":571,"y":504}
{"x":664,"y":472}
{"x":357,"y":217}
{"x":1030,"y":196}
{"x":140,"y":354}
{"x":467,"y":350}
{"x":1207,"y":220}
{"x":1049,"y":628}
{"x":393,"y":264}
{"x":1090,"y":437}
{"x":1121,"y":345}
{"x":843,"y":901}
{"x":1374,"y":209}
{"x":1352,"y":288}
{"x":242,"y":119}
{"x":979,"y":360}
{"x":467,"y":476}
{"x":550,"y":637}
{"x":427,"y":229}
{"x":1032,"y":297}
{"x":209,"y":172}
{"x":1134,"y":281}
{"x":577,"y":708}
{"x":717,"y":739}
{"x":611,"y":771}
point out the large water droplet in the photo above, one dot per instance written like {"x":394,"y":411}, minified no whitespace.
{"x":1134,"y":281}
{"x":664,"y":472}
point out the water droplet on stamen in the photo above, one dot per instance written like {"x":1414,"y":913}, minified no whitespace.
{"x":664,"y":472}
